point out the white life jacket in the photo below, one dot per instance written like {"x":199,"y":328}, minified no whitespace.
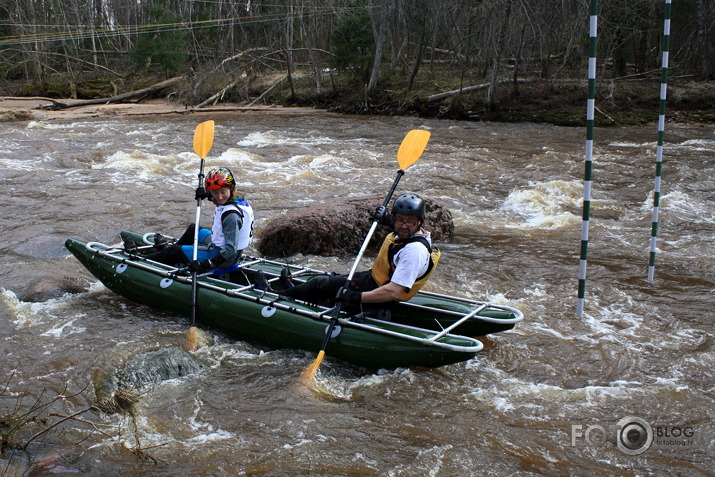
{"x":245,"y":233}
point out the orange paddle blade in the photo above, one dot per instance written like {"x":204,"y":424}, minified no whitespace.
{"x":204,"y":138}
{"x":412,"y":147}
{"x":309,"y":372}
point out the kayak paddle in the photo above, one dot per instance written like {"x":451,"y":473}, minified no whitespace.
{"x":412,"y":147}
{"x":203,"y":140}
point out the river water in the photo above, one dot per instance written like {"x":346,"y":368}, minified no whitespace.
{"x":535,"y":401}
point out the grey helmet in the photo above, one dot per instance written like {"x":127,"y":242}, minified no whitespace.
{"x":409,"y":204}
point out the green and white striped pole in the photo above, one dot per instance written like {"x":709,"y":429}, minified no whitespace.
{"x":661,"y":134}
{"x":590,"y":107}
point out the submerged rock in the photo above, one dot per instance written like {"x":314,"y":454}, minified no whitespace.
{"x":118,"y":392}
{"x":158,"y":366}
{"x":44,"y":288}
{"x":340,"y":227}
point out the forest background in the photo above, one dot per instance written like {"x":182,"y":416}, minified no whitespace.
{"x":504,"y":60}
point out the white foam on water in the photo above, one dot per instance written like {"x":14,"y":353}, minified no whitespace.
{"x":10,"y":300}
{"x":505,"y":394}
{"x":501,"y":299}
{"x":241,"y":157}
{"x":251,"y":169}
{"x":536,"y":328}
{"x":58,"y":313}
{"x":544,"y":205}
{"x":260,"y":139}
{"x":67,"y":328}
{"x":697,"y":145}
{"x":142,"y":166}
{"x":337,"y":388}
{"x":28,"y":314}
{"x":51,"y":125}
{"x":275,"y":138}
{"x":681,"y":206}
{"x":632,"y":144}
{"x":149,"y":438}
{"x":271,"y":138}
{"x":299,"y":442}
{"x":20,"y":165}
{"x":236,"y":352}
{"x":206,"y":432}
{"x":427,"y":462}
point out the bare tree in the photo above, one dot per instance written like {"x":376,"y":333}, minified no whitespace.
{"x":705,"y":23}
{"x":379,"y":16}
{"x":470,"y":41}
{"x":497,"y":56}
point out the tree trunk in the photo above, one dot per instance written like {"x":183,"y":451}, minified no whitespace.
{"x":496,"y":59}
{"x":706,"y":61}
{"x":272,"y":87}
{"x":379,"y":28}
{"x":289,"y":51}
{"x":517,"y":62}
{"x":468,"y":89}
{"x":311,"y":41}
{"x":416,"y":66}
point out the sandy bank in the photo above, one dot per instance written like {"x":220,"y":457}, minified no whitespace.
{"x":35,"y":109}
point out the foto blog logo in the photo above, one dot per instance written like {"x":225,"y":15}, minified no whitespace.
{"x":633,"y":435}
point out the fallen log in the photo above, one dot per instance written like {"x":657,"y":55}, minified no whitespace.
{"x":268,"y":90}
{"x":114,"y":99}
{"x":213,"y":99}
{"x":467,"y":89}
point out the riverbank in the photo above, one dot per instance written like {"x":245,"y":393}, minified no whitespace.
{"x":619,"y":103}
{"x":563,"y":103}
{"x":35,"y":109}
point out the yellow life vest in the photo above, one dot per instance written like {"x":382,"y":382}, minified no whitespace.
{"x":383,"y":267}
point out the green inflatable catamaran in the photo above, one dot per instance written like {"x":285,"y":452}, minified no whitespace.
{"x":417,"y":333}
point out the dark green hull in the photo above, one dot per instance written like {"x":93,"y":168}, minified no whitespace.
{"x":432,"y":311}
{"x":256,"y":316}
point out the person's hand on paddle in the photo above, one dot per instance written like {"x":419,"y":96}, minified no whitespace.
{"x":349,"y":296}
{"x":382,"y":216}
{"x":199,"y":266}
{"x":202,"y":193}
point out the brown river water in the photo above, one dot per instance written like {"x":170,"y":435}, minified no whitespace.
{"x":551,"y":397}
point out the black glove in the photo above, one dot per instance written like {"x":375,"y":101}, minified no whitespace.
{"x":382,"y":216}
{"x":202,"y":193}
{"x":199,"y":266}
{"x":349,"y":296}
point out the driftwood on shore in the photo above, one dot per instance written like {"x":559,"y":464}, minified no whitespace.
{"x":467,"y":89}
{"x":140,"y":93}
{"x":279,"y":81}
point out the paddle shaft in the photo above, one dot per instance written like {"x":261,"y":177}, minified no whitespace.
{"x":338,"y":306}
{"x":196,"y":245}
{"x":410,"y":150}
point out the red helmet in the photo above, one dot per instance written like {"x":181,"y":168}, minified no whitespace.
{"x":219,"y":177}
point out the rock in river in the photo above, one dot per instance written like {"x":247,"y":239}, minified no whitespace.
{"x":340,"y":227}
{"x":117,"y":392}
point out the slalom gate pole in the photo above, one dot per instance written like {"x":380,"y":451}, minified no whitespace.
{"x":661,"y":134}
{"x":590,"y":107}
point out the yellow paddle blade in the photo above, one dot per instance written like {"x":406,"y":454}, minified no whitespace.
{"x":412,"y":147}
{"x":204,"y":138}
{"x":309,"y":372}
